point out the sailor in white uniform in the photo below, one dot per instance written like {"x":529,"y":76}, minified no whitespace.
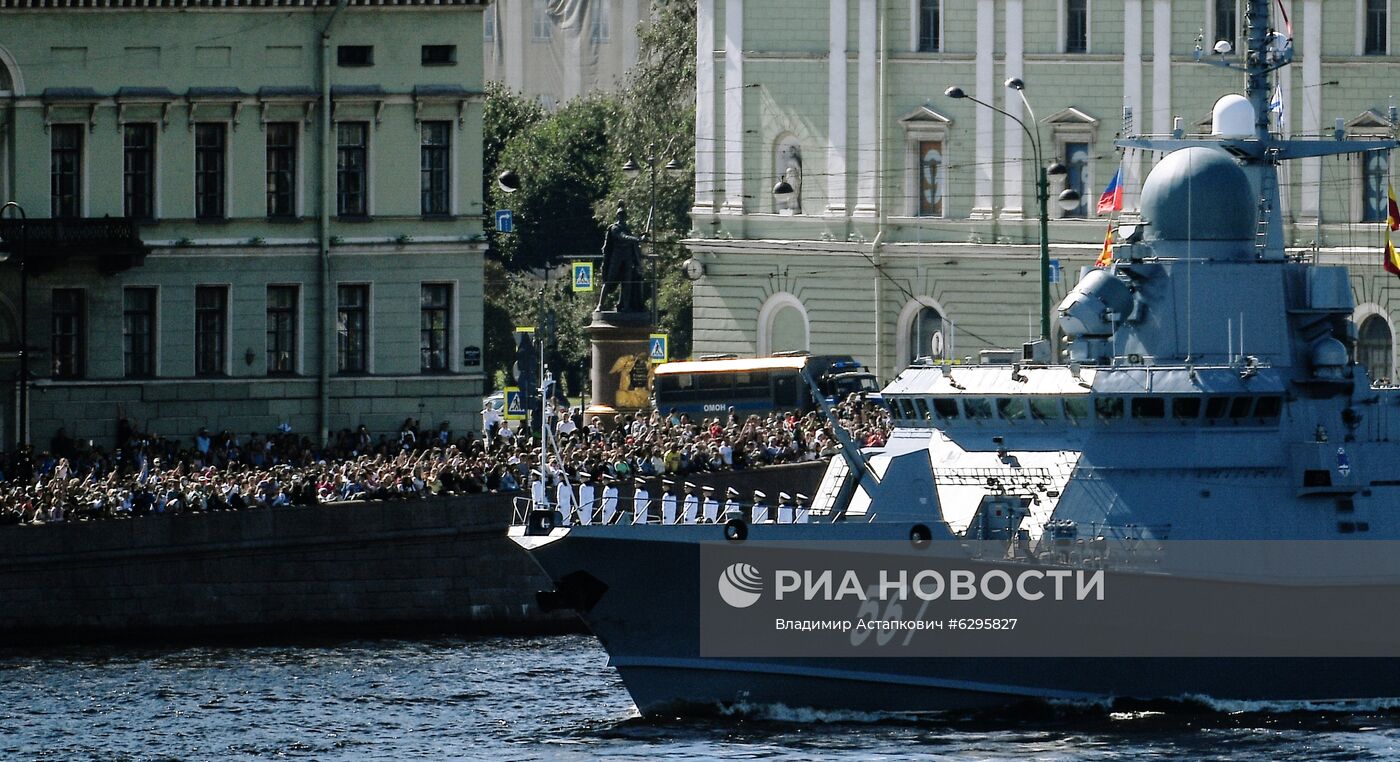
{"x":564,"y":497}
{"x":537,"y":490}
{"x":641,"y":501}
{"x":609,"y":499}
{"x":692,"y":503}
{"x":760,"y":509}
{"x":732,"y":509}
{"x":669,"y":503}
{"x":710,"y":507}
{"x":804,"y":508}
{"x":585,"y":499}
{"x":785,"y":508}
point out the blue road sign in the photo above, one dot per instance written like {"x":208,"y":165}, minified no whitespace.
{"x":505,"y":221}
{"x":656,"y":347}
{"x":583,"y":276}
{"x":515,"y":404}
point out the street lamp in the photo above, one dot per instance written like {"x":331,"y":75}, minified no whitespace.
{"x":20,"y":256}
{"x":1068,"y":198}
{"x":633,"y":170}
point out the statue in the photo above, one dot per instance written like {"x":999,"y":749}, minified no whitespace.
{"x":622,"y":267}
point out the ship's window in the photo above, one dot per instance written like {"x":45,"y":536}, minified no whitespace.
{"x":1268,"y":408}
{"x":1108,"y":408}
{"x":1240,"y":406}
{"x":1045,"y":408}
{"x":1149,"y":407}
{"x":1076,"y":408}
{"x":920,"y":409}
{"x":945,"y":407}
{"x":1186,"y":408}
{"x":906,"y":408}
{"x":1216,"y":407}
{"x":978,"y":409}
{"x":1011,"y":408}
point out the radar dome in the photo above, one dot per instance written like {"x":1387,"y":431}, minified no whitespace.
{"x":1232,"y":117}
{"x":1198,"y":194}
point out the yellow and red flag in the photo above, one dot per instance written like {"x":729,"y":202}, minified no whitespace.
{"x":1392,"y":223}
{"x":1106,"y":256}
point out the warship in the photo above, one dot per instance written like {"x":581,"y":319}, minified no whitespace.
{"x":1207,"y":399}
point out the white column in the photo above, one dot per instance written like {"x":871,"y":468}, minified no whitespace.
{"x":514,"y":39}
{"x":865,"y":132}
{"x":1161,"y":67}
{"x":734,"y":106}
{"x":631,"y":14}
{"x":706,"y":146}
{"x":836,"y":110}
{"x":1013,"y":180}
{"x":986,"y":118}
{"x":1132,"y":95}
{"x":1311,"y":170}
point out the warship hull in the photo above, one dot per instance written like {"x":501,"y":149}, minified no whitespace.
{"x":640,"y":594}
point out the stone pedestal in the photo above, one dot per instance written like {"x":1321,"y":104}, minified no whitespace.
{"x":621,"y":376}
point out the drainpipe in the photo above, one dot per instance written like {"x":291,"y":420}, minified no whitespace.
{"x":878,"y":243}
{"x":323,"y":385}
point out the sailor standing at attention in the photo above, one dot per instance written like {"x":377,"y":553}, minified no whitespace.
{"x":692,"y":503}
{"x":564,"y":496}
{"x":760,"y":509}
{"x":710,"y":510}
{"x":785,"y":508}
{"x":641,"y":501}
{"x":537,"y":489}
{"x":585,"y":499}
{"x":668,"y":502}
{"x":804,"y":508}
{"x":732,"y":509}
{"x":609,"y":499}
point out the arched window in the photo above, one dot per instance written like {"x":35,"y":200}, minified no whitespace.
{"x":782,"y":325}
{"x":1375,"y":348}
{"x":924,"y":330}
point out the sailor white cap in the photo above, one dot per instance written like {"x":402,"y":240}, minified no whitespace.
{"x":801,"y":498}
{"x":730,"y":491}
{"x":690,"y":486}
{"x":759,"y":494}
{"x":785,"y":497}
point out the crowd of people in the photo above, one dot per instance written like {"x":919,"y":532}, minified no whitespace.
{"x":147,"y":474}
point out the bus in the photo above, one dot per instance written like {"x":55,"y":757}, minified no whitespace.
{"x":711,"y":385}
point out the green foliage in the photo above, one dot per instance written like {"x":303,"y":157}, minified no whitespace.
{"x":499,"y":351}
{"x":569,"y":349}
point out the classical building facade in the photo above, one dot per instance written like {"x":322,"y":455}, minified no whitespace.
{"x":555,"y":50}
{"x":241,"y":214}
{"x":913,"y":227}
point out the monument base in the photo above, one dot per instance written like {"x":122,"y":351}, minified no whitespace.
{"x":621,"y":376}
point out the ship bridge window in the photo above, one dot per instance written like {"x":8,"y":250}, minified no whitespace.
{"x":1045,"y":408}
{"x":1186,"y":408}
{"x":978,"y":408}
{"x":1149,"y":407}
{"x":921,"y":409}
{"x":1076,"y":409}
{"x":1268,"y":408}
{"x":1240,"y":407}
{"x":1108,"y":408}
{"x":1217,"y":407}
{"x":945,"y":407}
{"x":1011,"y":409}
{"x":904,"y":408}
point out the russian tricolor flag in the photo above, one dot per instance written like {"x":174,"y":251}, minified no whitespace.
{"x":1112,"y":198}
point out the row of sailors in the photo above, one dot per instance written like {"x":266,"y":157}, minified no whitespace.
{"x":691,"y":508}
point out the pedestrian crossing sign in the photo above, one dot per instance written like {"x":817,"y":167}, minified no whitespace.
{"x":657,"y":347}
{"x":515,"y":404}
{"x":583,"y":276}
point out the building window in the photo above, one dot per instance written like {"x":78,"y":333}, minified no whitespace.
{"x":435,"y":168}
{"x":281,"y":330}
{"x":928,"y":26}
{"x":210,"y":175}
{"x":488,"y":23}
{"x":1076,"y":26}
{"x":352,"y":324}
{"x":783,"y":324}
{"x":139,"y":332}
{"x":439,"y":55}
{"x":139,"y":171}
{"x":1375,"y":182}
{"x":930,"y":178}
{"x":66,"y":170}
{"x":1373,"y":348}
{"x":210,"y":330}
{"x":601,"y":25}
{"x":541,"y":19}
{"x":1077,"y":162}
{"x":351,"y":169}
{"x":1377,"y":27}
{"x":355,"y":55}
{"x":282,"y":169}
{"x":925,"y":337}
{"x":436,"y":305}
{"x":69,"y":332}
{"x":1226,"y":21}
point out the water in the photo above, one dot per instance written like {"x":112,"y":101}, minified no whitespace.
{"x":549,"y":698}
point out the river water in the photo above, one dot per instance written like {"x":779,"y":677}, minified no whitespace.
{"x":551,"y":698}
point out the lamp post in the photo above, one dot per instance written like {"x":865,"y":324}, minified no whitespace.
{"x":21,"y":255}
{"x":632,"y":169}
{"x":1068,"y":198}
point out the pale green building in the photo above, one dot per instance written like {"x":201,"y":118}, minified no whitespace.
{"x":200,"y":255}
{"x":914,"y":227}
